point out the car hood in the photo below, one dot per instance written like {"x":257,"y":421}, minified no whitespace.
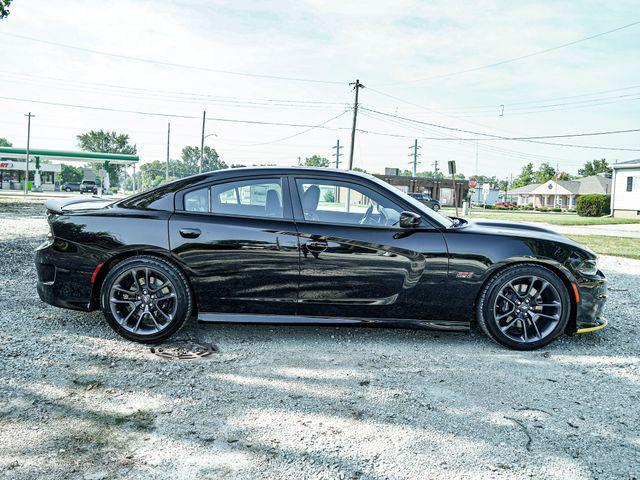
{"x":516,"y":229}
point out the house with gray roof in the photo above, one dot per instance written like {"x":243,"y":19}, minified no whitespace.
{"x":560,"y":193}
{"x":625,"y":194}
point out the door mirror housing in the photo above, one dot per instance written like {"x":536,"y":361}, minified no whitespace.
{"x":409,"y":219}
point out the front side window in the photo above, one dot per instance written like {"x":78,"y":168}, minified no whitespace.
{"x":333,"y":201}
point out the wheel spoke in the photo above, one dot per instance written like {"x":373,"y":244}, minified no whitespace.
{"x":133,"y":310}
{"x":140,"y":317}
{"x":168,"y":317}
{"x":165,"y":297}
{"x":157,"y":289}
{"x":552,"y":317}
{"x":146,"y":279}
{"x":535,"y":325}
{"x":153,"y":319}
{"x":524,"y":330}
{"x":124,"y":290}
{"x":510,"y":324}
{"x":117,"y":300}
{"x":530,"y":287}
{"x":503,"y":296}
{"x":505,"y":314}
{"x":135,"y":280}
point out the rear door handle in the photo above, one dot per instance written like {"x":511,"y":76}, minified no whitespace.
{"x":190,"y":232}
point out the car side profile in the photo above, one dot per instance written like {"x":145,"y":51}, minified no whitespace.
{"x":311,"y":246}
{"x":427,"y":200}
{"x":70,"y":187}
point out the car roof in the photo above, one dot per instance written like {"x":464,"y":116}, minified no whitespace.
{"x":242,"y":171}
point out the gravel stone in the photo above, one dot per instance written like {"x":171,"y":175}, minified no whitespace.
{"x":77,"y":401}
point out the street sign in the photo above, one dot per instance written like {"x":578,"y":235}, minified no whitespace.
{"x":473,"y":182}
{"x":486,"y":188}
{"x":452,"y":167}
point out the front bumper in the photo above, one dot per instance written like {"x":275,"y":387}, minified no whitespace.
{"x":62,"y":281}
{"x":593,"y":295}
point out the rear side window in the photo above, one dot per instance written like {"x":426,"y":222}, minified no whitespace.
{"x":255,"y":198}
{"x":249,"y":197}
{"x":197,"y":200}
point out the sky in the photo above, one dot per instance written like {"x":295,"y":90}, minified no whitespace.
{"x":292,"y":61}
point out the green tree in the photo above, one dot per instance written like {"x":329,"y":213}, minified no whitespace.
{"x":527,"y":176}
{"x":3,"y":141}
{"x":69,"y":173}
{"x":316,"y":161}
{"x":544,"y":173}
{"x":107,"y":142}
{"x":191,"y":161}
{"x":595,"y":167}
{"x":4,"y":9}
{"x":153,"y":173}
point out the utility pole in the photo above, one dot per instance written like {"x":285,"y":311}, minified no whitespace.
{"x":337,"y":146}
{"x":168,"y":142}
{"x":26,"y":166}
{"x":435,"y":167}
{"x":415,"y":156}
{"x":356,"y":86}
{"x":299,"y":161}
{"x":204,"y":119}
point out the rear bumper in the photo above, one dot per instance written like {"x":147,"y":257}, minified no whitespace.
{"x":593,"y":295}
{"x":61,"y":282}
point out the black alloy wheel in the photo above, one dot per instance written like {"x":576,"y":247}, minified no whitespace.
{"x":524,"y":307}
{"x":146,"y":299}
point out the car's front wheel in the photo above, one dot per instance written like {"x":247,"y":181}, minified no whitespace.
{"x":436,"y":207}
{"x":524,"y":307}
{"x":146,"y":299}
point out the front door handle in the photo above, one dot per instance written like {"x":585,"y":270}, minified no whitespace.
{"x":190,"y":232}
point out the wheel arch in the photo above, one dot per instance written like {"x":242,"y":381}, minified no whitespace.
{"x":563,"y":275}
{"x":109,"y":264}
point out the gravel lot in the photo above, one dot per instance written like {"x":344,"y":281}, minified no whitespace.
{"x":282,"y":402}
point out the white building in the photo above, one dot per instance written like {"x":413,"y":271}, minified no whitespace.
{"x":625,"y":195}
{"x":561,"y":193}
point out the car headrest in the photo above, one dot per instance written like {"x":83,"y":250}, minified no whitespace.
{"x":272,"y":205}
{"x":310,"y":199}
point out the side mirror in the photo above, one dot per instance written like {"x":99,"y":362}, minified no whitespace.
{"x":409,"y":220}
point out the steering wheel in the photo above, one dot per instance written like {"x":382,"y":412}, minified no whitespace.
{"x":367,"y":215}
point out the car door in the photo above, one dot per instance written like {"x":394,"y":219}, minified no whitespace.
{"x":238,"y":240}
{"x":356,"y":261}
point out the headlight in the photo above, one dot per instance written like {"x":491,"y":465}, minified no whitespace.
{"x":588,"y":267}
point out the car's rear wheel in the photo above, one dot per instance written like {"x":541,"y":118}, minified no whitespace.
{"x":436,"y":207}
{"x":146,"y":299}
{"x":524,"y":307}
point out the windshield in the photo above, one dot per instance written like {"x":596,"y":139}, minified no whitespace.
{"x":420,"y":207}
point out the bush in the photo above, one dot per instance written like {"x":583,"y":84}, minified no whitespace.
{"x":555,"y":209}
{"x":542,"y":209}
{"x":595,"y":205}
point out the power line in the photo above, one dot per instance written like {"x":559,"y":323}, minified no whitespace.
{"x":489,"y":136}
{"x":171,"y":64}
{"x":192,"y":99}
{"x":320,"y":125}
{"x":169,"y":115}
{"x":515,"y":59}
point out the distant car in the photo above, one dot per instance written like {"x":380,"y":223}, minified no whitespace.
{"x":506,"y":205}
{"x":88,"y":186}
{"x":427,"y":200}
{"x":70,"y":187}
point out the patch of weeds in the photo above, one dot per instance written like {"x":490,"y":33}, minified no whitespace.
{"x":141,"y":420}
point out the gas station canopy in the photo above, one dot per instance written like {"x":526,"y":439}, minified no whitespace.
{"x":65,"y":156}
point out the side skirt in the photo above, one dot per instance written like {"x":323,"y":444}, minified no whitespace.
{"x":454,"y":326}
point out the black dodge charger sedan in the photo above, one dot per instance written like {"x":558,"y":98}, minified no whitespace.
{"x":302,"y":245}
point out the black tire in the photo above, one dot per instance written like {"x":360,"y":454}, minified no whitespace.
{"x":436,"y":207}
{"x":500,"y":283}
{"x":179,"y":286}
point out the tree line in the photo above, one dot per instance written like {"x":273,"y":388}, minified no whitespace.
{"x":154,"y":173}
